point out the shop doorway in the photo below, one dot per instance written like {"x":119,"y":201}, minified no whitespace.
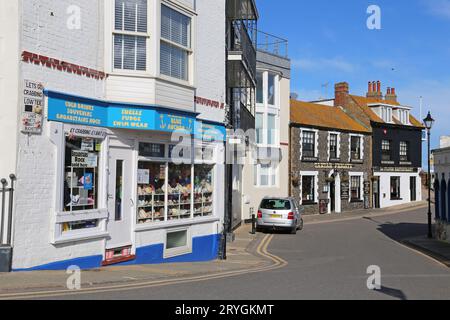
{"x":120,"y":206}
{"x":376,"y":192}
{"x":333,"y":197}
{"x":413,"y":188}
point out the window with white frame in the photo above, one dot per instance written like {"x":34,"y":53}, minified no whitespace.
{"x":355,"y":188}
{"x":175,"y":43}
{"x":259,"y":126}
{"x":266,"y":174}
{"x":271,"y":88}
{"x":308,"y":189}
{"x":308,"y":144}
{"x":334,"y":146}
{"x":404,"y":151}
{"x":260,"y":87}
{"x":130,"y":35}
{"x":355,"y":148}
{"x":271,"y":129}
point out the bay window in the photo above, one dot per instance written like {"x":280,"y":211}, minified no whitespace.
{"x":175,"y":43}
{"x":130,"y":35}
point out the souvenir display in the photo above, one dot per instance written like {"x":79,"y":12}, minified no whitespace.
{"x":151,"y":204}
{"x":81,"y":178}
{"x":203,"y":190}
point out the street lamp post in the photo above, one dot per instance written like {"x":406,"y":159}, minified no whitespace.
{"x":429,"y":121}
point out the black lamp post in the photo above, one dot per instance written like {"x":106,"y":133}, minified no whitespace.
{"x":428,"y":122}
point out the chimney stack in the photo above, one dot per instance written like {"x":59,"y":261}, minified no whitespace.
{"x":371,"y":90}
{"x":377,"y":94}
{"x":341,"y":94}
{"x":391,"y":96}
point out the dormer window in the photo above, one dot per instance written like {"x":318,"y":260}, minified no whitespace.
{"x":386,"y":114}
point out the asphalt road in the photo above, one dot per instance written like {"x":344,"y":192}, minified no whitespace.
{"x":326,"y":261}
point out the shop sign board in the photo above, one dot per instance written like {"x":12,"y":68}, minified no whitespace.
{"x":86,"y":132}
{"x":95,"y":113}
{"x":84,"y":159}
{"x":329,"y":165}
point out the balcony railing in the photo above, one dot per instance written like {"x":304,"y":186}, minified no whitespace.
{"x":242,"y":10}
{"x":243,"y":40}
{"x":272,"y":44}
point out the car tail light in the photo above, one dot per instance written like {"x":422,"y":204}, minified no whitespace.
{"x":291,"y":216}
{"x":259,"y":214}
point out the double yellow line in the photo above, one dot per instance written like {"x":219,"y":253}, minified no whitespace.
{"x":276,"y":263}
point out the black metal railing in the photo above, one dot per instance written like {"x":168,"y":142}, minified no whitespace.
{"x":244,"y":42}
{"x":7,"y":204}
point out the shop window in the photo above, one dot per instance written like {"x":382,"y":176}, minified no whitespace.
{"x":308,"y":189}
{"x":130,"y":35}
{"x":355,"y":143}
{"x":204,"y":153}
{"x":81,"y":174}
{"x":395,"y":188}
{"x":308,"y":144}
{"x":355,"y":188}
{"x":203,"y":190}
{"x":152,"y":150}
{"x":179,"y":191}
{"x":386,"y":150}
{"x":151,"y":192}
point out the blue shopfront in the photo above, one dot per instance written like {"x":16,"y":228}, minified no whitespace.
{"x":142,"y":183}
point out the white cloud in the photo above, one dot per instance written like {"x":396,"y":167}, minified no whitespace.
{"x":334,"y":64}
{"x":438,"y":7}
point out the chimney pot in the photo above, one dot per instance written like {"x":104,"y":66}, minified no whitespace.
{"x":388,"y":91}
{"x":370,"y":87}
{"x":378,"y":87}
{"x":393,"y":91}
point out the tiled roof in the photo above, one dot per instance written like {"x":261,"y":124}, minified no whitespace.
{"x":363,"y":103}
{"x":311,"y":114}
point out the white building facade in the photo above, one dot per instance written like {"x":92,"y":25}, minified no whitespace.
{"x":442,"y":189}
{"x":102,"y":178}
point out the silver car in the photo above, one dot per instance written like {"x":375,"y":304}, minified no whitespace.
{"x":280,"y":213}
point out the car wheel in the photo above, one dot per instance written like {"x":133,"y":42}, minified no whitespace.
{"x":301,"y":225}
{"x":294,"y":230}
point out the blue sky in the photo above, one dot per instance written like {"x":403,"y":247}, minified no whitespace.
{"x":329,"y":42}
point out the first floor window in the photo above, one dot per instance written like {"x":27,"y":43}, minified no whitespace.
{"x":404,"y":151}
{"x":308,"y":144}
{"x":355,"y":148}
{"x":355,"y":185}
{"x":81,"y":174}
{"x":175,"y":43}
{"x":386,"y":150}
{"x":333,"y":146}
{"x":259,"y":128}
{"x":271,"y":129}
{"x":395,"y":188}
{"x":308,"y":189}
{"x":130,"y":35}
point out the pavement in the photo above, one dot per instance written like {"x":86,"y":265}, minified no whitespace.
{"x":436,"y":249}
{"x":327,"y":260}
{"x":244,"y":254}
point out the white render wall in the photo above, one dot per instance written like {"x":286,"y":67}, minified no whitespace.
{"x":9,"y":90}
{"x":210,"y":57}
{"x":385,"y":188}
{"x":36,"y":190}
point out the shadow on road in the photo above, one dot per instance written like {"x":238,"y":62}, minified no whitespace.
{"x":400,"y":231}
{"x":395,"y":293}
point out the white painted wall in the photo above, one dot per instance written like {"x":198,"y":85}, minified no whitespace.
{"x":385,"y":191}
{"x":210,"y":57}
{"x":9,"y":84}
{"x":36,"y":190}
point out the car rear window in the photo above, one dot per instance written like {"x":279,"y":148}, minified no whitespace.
{"x":276,"y":204}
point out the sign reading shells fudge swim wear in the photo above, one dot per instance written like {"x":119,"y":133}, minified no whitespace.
{"x":90,"y":112}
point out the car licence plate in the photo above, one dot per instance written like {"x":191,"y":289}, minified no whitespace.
{"x":276,"y":216}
